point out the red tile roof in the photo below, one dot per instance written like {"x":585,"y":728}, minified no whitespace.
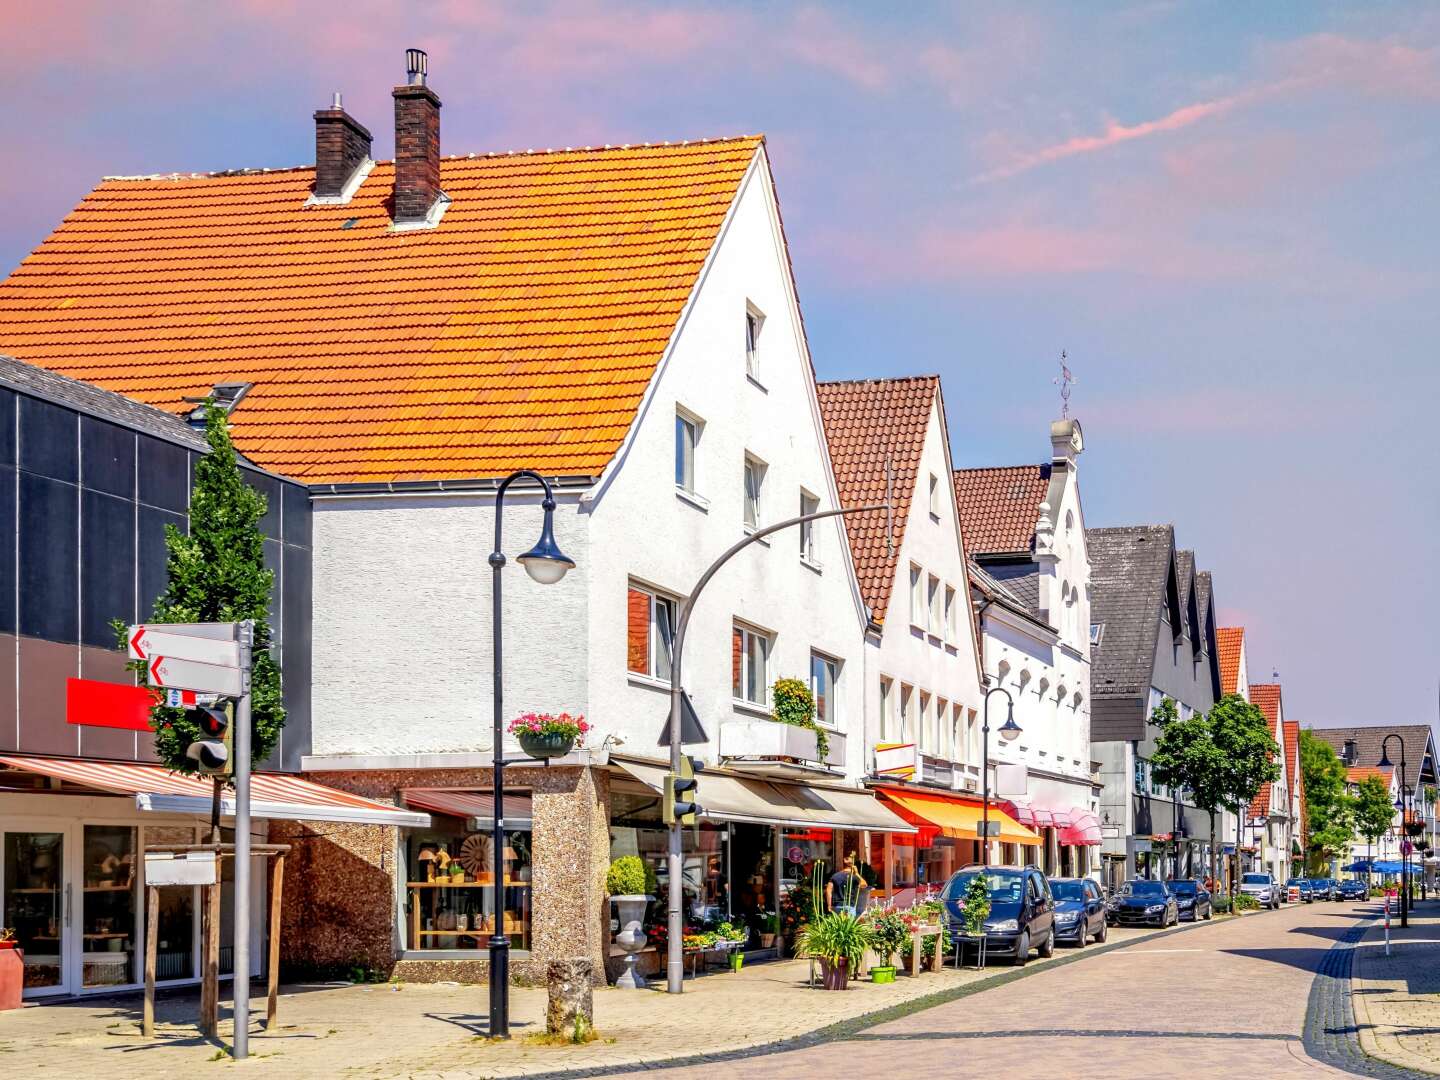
{"x":868,"y":423}
{"x":1230,"y":643}
{"x":1292,"y":765}
{"x":521,"y":332}
{"x":1355,"y":773}
{"x":999,"y":507}
{"x":1266,"y":697}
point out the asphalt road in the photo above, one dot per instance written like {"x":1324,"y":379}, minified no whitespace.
{"x":1223,"y":999}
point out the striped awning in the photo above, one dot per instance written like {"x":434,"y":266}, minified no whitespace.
{"x":476,"y":807}
{"x":272,"y":795}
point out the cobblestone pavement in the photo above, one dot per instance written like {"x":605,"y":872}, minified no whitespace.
{"x":438,"y":1031}
{"x":1396,"y":998}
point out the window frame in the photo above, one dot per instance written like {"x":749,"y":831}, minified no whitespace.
{"x":952,"y":623}
{"x":656,"y":601}
{"x":748,"y":634}
{"x":933,"y":625}
{"x":907,"y":697}
{"x":809,"y":504}
{"x":684,"y":419}
{"x":917,"y":596}
{"x":934,"y":497}
{"x":753,"y":466}
{"x":833,"y":665}
{"x":754,"y":325}
{"x":887,"y":702}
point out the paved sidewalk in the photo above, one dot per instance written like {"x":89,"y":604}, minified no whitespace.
{"x":438,"y":1031}
{"x":1397,"y":997}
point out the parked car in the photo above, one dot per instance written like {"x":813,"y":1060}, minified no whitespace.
{"x":1325,"y":888}
{"x":1142,"y":902}
{"x":1354,"y":889}
{"x":1192,"y":900}
{"x":1307,"y":894}
{"x":1079,"y":911}
{"x":1022,"y":911}
{"x":1262,"y":887}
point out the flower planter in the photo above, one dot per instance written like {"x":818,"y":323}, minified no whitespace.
{"x":835,"y":974}
{"x":737,"y":961}
{"x":631,"y":938}
{"x":544,"y":746}
{"x":767,"y":941}
{"x":884,"y":974}
{"x":12,"y":975}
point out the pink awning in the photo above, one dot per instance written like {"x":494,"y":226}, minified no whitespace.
{"x":1082,"y":831}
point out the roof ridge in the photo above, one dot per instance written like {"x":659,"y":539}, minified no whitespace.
{"x":880,"y":380}
{"x":216,"y":174}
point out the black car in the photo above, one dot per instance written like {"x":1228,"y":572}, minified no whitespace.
{"x":1192,"y":900}
{"x":1325,"y":888}
{"x":1143,"y":903}
{"x":1302,"y":886}
{"x":1079,"y":911}
{"x":1353,"y":889}
{"x":1022,"y":911}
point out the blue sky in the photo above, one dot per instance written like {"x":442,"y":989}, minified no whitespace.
{"x":1225,"y":213}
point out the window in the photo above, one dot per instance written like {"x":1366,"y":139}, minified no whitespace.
{"x":809,"y":504}
{"x":922,"y":729}
{"x":754,"y":482}
{"x":932,"y":605}
{"x":887,"y":694}
{"x":907,"y":713}
{"x":972,"y":737}
{"x":754,"y":320}
{"x":649,"y":632}
{"x":687,"y":438}
{"x":1097,"y":632}
{"x":952,"y":626}
{"x":917,"y":597}
{"x":824,"y":674}
{"x":1141,"y":768}
{"x":942,"y":728}
{"x":750,"y":655}
{"x":934,"y":496}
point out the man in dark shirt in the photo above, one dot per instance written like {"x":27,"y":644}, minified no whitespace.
{"x":842,"y":891}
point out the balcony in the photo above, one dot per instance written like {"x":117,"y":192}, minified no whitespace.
{"x":904,"y":761}
{"x":770,"y":748}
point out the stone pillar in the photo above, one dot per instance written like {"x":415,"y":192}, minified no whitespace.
{"x":572,"y":997}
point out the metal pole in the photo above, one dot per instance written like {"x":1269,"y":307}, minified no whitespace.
{"x":674,"y":947}
{"x":240,"y":978}
{"x":985,"y":786}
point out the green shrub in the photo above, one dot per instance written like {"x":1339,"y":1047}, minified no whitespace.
{"x":794,"y":704}
{"x":1221,"y":903}
{"x":975,"y":907}
{"x":837,"y":935}
{"x":1246,"y":903}
{"x":630,"y":875}
{"x":889,"y":935}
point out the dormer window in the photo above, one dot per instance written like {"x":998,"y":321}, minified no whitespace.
{"x":754,"y":323}
{"x":225,"y":396}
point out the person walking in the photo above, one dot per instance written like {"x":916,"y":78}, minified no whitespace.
{"x":842,"y":891}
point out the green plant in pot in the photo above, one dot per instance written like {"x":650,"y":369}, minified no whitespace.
{"x":542,"y":735}
{"x":630,"y":881}
{"x":794,"y":704}
{"x":838,"y":940}
{"x":769,"y":929}
{"x":889,"y":935}
{"x":975,"y":907}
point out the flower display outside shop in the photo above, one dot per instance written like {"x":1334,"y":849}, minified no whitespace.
{"x":562,"y":724}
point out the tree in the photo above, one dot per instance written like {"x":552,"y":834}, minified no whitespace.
{"x":1186,"y":756}
{"x":1329,"y":808}
{"x":1374,"y":809}
{"x":1242,"y":738}
{"x":216,"y":573}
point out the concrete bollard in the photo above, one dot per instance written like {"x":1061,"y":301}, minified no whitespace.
{"x":571,"y":995}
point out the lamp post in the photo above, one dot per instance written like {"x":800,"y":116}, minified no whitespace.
{"x":545,"y":564}
{"x":674,"y":941}
{"x":1401,"y":805}
{"x":1009,"y":731}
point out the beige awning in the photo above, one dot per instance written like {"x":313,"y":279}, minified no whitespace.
{"x":774,"y":802}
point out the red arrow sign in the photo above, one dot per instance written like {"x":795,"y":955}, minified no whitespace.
{"x":171,"y":672}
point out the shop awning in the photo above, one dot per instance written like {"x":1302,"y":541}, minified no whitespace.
{"x":1083,"y":830}
{"x":955,"y":817}
{"x":272,"y":795}
{"x":765,"y":802}
{"x":477,"y":805}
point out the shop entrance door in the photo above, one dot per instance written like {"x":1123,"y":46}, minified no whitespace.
{"x":38,"y":904}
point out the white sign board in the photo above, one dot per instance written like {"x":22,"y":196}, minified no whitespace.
{"x":1011,"y":780}
{"x":150,"y":641}
{"x":166,"y":671}
{"x":184,"y":868}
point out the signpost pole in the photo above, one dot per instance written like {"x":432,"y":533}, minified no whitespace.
{"x":241,"y":984}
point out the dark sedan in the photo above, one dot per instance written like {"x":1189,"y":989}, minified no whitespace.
{"x":1325,"y":888}
{"x":1192,"y":900}
{"x":1079,"y":911}
{"x":1353,"y":890}
{"x":1144,"y":903}
{"x":1302,"y":886}
{"x":1022,"y":912}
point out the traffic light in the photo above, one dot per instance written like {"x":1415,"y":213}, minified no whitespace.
{"x":212,"y":751}
{"x":681,"y":788}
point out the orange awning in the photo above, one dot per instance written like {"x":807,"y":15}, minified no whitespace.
{"x":272,"y":795}
{"x":957,"y":818}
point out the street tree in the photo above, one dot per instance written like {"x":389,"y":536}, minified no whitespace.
{"x":1186,"y":757}
{"x":216,"y":573}
{"x":1374,"y":810}
{"x":1252,"y":757}
{"x":1329,"y":807}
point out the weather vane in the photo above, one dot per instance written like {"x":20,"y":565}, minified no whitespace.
{"x":1065,"y":380}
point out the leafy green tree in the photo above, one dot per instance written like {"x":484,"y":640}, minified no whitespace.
{"x":1330,"y":810}
{"x":1186,"y":756}
{"x":1252,"y":757}
{"x":1374,"y":809}
{"x":216,"y":573}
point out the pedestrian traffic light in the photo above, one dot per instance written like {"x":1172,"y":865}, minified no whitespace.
{"x":212,"y":751}
{"x":681,"y":788}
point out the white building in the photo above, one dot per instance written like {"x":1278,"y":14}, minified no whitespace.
{"x":1024,"y":527}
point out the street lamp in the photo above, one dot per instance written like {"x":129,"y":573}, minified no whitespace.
{"x":1009,"y":731}
{"x":1400,"y":804}
{"x":546,"y":564}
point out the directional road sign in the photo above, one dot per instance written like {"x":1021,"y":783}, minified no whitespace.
{"x":147,"y":642}
{"x":189,"y":675}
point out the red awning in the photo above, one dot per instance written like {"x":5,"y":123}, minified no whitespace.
{"x":470,"y":804}
{"x":1083,"y":830}
{"x":272,"y":795}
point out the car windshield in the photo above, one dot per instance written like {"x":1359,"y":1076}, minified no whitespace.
{"x":1005,"y":886}
{"x":1296,"y":881}
{"x":1143,"y":888}
{"x":1255,"y":879}
{"x":1184,"y":888}
{"x":1067,"y":890}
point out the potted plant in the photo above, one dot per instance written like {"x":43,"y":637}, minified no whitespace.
{"x":794,"y":704}
{"x":770,"y":929}
{"x":630,"y":881}
{"x":1414,"y":828}
{"x":7,"y":938}
{"x":838,"y":940}
{"x":12,"y":970}
{"x":889,"y":935}
{"x":542,"y":735}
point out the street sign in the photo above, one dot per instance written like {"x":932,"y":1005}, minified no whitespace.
{"x":170,"y":672}
{"x":174,"y":641}
{"x":691,"y":731}
{"x":182,"y":868}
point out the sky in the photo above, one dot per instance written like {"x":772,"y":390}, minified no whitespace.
{"x":1224,"y":213}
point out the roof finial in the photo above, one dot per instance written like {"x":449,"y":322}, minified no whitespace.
{"x":1065,"y":380}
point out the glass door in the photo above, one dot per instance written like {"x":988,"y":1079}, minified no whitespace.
{"x":109,"y":929}
{"x":37,"y":905}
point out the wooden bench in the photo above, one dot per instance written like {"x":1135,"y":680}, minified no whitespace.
{"x":917,"y":948}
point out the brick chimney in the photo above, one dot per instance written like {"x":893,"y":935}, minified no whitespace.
{"x":342,"y":150}
{"x":417,"y":145}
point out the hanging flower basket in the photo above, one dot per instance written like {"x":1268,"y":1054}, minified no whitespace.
{"x":543,"y":736}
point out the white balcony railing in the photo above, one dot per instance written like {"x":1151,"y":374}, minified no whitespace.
{"x":905,"y":761}
{"x":767,"y":741}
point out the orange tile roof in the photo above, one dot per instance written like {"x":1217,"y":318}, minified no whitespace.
{"x":1230,"y":644}
{"x":1292,"y":761}
{"x":999,"y":507}
{"x":867,"y":423}
{"x":522,"y":332}
{"x":1355,"y":773}
{"x":1266,"y":697}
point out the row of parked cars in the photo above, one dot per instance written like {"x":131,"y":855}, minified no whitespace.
{"x":1030,"y":912}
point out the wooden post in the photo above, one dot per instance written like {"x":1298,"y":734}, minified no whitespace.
{"x":277,"y":883}
{"x":152,"y":934}
{"x":210,"y":1002}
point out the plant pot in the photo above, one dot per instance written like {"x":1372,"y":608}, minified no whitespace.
{"x":884,"y":974}
{"x":9,"y":944}
{"x":835,"y":973}
{"x":737,"y":960}
{"x":544,"y":746}
{"x":767,"y":941}
{"x":631,"y":912}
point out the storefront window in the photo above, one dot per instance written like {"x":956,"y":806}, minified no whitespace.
{"x":450,"y":887}
{"x":706,"y":873}
{"x":108,"y":907}
{"x":175,"y":944}
{"x":34,"y":902}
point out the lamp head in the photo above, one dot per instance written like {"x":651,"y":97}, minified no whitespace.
{"x":545,"y":562}
{"x":1384,"y":757}
{"x":1011,"y":731}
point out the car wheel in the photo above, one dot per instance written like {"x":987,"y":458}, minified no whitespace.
{"x":1208,"y":912}
{"x":1103,"y":934}
{"x":1048,"y":949}
{"x":1022,"y":950}
{"x":1084,"y":936}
